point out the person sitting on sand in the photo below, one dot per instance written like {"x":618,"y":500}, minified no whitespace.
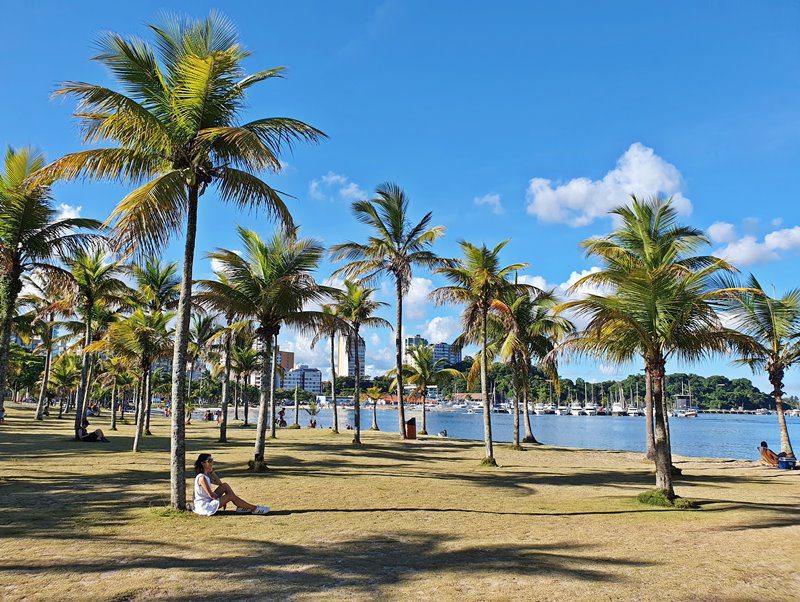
{"x":208,"y":502}
{"x":768,"y":456}
{"x":84,"y":435}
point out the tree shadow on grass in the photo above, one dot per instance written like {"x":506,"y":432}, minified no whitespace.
{"x":356,"y":566}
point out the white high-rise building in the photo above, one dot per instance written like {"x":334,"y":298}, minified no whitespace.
{"x":346,"y":364}
{"x":307,"y":379}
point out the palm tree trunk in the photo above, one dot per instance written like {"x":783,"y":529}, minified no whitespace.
{"x":191,"y":378}
{"x":333,"y":387}
{"x":487,"y":410}
{"x":776,"y":380}
{"x":648,"y":412}
{"x":137,"y":399}
{"x":398,"y":343}
{"x":516,"y":419}
{"x":177,"y":473}
{"x":10,"y":286}
{"x":296,"y":407}
{"x":665,"y":413}
{"x":142,"y":405}
{"x":226,"y":379}
{"x":148,"y":400}
{"x":263,"y":410}
{"x":272,"y":372}
{"x":61,"y":405}
{"x":80,"y":412}
{"x":89,"y":379}
{"x":424,"y":429}
{"x":114,"y":407}
{"x":357,"y":392}
{"x":246,"y":398}
{"x":374,"y":426}
{"x":45,"y":377}
{"x":236,"y":396}
{"x":662,"y":452}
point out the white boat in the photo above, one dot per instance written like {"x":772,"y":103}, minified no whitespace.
{"x":562,"y":410}
{"x":618,"y":407}
{"x":575,"y":408}
{"x":538,"y":409}
{"x":590,"y":409}
{"x":634,"y":411}
{"x":549,"y":409}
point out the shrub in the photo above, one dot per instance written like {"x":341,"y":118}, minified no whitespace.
{"x":659,"y":497}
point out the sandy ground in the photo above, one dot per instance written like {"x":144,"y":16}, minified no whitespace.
{"x":388,"y":520}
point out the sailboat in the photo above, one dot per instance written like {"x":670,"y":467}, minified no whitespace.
{"x":589,"y":407}
{"x":575,"y":408}
{"x":549,"y":408}
{"x":618,"y":407}
{"x":634,"y":409}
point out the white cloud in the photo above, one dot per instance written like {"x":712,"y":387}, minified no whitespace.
{"x":492,"y":200}
{"x":609,"y":369}
{"x":416,"y":302}
{"x":216,"y":265}
{"x":722,"y":232}
{"x":581,"y":200}
{"x":333,"y":185}
{"x":68,"y":211}
{"x":749,"y":250}
{"x":563,"y":291}
{"x":442,"y":329}
{"x":777,"y":222}
{"x":374,"y":339}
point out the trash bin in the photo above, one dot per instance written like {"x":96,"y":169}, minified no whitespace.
{"x":411,"y":428}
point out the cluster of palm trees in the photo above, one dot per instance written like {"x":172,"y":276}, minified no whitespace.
{"x":172,"y":130}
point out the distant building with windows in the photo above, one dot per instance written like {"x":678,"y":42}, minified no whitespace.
{"x":441,"y":351}
{"x":305,"y":378}
{"x":346,"y":364}
{"x":285,"y":360}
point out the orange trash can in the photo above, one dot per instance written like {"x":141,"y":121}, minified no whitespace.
{"x":411,"y":428}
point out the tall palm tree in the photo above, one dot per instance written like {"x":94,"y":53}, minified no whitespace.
{"x":94,"y":281}
{"x":331,"y":327}
{"x":529,"y":330}
{"x":176,"y":120}
{"x":270,"y":283}
{"x":65,"y":376}
{"x":395,"y":247}
{"x":657,"y":301}
{"x":114,"y":371}
{"x":422,"y":372}
{"x":772,"y":330}
{"x":30,"y":235}
{"x":477,"y":281}
{"x":374,"y":393}
{"x":244,"y":361}
{"x":157,"y":285}
{"x":356,"y":306}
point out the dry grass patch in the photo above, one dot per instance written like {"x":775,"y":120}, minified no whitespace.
{"x":388,"y":520}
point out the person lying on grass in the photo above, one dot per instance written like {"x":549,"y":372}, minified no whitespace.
{"x":84,"y":435}
{"x":208,"y":502}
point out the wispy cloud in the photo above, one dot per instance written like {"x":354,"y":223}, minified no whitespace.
{"x":334,"y":186}
{"x":491,"y":200}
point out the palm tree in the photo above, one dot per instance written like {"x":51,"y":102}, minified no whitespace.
{"x":477,"y":281}
{"x":423,"y":372}
{"x":772,"y":330}
{"x":374,"y":393}
{"x":64,"y":376}
{"x":204,"y":329}
{"x":528,"y":329}
{"x":94,"y":282}
{"x":330,"y":328}
{"x":270,"y":283}
{"x":157,"y":285}
{"x":396,"y":246}
{"x":176,"y":121}
{"x":115,"y":370}
{"x":30,"y":235}
{"x":244,"y":361}
{"x":141,"y":338}
{"x":660,"y":303}
{"x":355,"y":306}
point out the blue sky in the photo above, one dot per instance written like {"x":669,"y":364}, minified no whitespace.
{"x":525,"y":120}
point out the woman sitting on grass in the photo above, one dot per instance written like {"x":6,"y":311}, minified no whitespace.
{"x":206,"y":501}
{"x":84,"y":435}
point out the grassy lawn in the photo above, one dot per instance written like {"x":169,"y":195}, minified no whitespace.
{"x":389,"y":520}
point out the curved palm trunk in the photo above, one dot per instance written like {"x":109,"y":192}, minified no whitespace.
{"x":236,"y":396}
{"x":89,"y":378}
{"x":357,"y":393}
{"x":45,"y":378}
{"x":263,"y":410}
{"x":140,"y":422}
{"x":80,"y":411}
{"x":529,"y":438}
{"x":648,"y":412}
{"x":487,"y":410}
{"x":61,"y":405}
{"x":398,"y":343}
{"x":776,"y":380}
{"x":296,"y":407}
{"x":272,"y":372}
{"x":114,"y":407}
{"x":662,"y":452}
{"x":226,"y":379}
{"x":177,"y":473}
{"x":148,"y":400}
{"x":10,"y":286}
{"x":516,"y":420}
{"x":333,"y":388}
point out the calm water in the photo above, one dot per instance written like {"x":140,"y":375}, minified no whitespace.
{"x":708,"y":435}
